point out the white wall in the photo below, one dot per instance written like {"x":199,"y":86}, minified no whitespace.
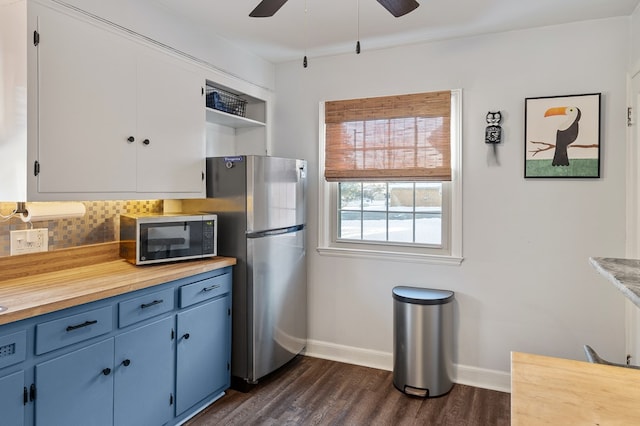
{"x":635,"y":41}
{"x":526,"y":283}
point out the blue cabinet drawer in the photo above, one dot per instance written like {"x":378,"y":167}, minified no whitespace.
{"x":143,"y":307}
{"x":13,"y":348}
{"x":191,"y":294}
{"x":73,"y":329}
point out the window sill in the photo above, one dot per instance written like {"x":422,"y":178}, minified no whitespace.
{"x":392,"y":256}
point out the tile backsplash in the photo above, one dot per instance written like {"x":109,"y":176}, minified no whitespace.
{"x":100,"y":224}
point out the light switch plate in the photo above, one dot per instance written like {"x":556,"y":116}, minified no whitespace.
{"x":29,"y":241}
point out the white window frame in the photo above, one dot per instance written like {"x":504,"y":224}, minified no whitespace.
{"x":451,"y":251}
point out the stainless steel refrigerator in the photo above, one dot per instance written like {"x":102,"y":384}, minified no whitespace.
{"x":260,"y":202}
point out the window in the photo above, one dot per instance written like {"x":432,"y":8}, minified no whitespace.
{"x":390,"y":177}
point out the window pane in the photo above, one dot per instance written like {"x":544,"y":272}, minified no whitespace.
{"x":429,"y":228}
{"x":429,"y":197}
{"x":350,"y":225}
{"x":374,"y":226}
{"x":374,"y":196}
{"x":401,"y":227}
{"x":398,"y":212}
{"x":401,"y":197}
{"x":350,"y":195}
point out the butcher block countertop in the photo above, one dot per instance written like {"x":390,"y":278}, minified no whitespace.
{"x":555,"y":391}
{"x":40,"y":283}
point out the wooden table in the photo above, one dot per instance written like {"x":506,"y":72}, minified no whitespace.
{"x":555,"y":391}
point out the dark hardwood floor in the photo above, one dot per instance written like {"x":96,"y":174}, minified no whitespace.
{"x":312,"y":391}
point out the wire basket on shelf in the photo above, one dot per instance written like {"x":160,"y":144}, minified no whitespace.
{"x":225,"y":101}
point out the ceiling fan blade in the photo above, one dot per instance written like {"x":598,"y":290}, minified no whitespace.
{"x":399,"y":7}
{"x":267,"y":8}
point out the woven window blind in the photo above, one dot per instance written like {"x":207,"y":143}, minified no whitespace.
{"x":391,"y":138}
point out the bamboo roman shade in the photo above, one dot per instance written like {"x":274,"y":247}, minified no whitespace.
{"x":391,"y":138}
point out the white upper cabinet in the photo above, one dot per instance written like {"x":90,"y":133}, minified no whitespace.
{"x":86,"y":107}
{"x":110,"y":117}
{"x":171,"y":126}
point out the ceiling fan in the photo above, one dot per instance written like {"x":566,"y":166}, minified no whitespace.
{"x":397,"y":8}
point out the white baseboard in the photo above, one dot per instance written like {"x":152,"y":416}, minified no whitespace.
{"x":465,"y":375}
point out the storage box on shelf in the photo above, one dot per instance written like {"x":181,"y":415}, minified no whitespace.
{"x":229,"y":108}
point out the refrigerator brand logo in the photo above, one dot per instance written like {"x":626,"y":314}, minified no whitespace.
{"x":233,"y":159}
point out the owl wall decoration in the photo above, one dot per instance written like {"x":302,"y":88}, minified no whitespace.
{"x":493,"y":132}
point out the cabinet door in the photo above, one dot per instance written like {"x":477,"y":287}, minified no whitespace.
{"x":87,"y":106}
{"x":76,"y":388}
{"x":144,"y":375}
{"x":171,"y":117}
{"x":203,"y":352}
{"x":12,"y":399}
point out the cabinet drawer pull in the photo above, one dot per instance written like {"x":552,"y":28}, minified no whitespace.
{"x":150,"y":304}
{"x":131,"y":139}
{"x":146,"y":142}
{"x":106,"y":371}
{"x":213,"y":287}
{"x":84,"y":324}
{"x":126,"y":362}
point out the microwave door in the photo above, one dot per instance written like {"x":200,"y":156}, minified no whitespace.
{"x":163,"y":247}
{"x":170,"y":240}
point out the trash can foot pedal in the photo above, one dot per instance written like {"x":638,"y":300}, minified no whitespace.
{"x":423,"y":393}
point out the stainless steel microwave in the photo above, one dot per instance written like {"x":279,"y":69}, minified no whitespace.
{"x":155,"y":238}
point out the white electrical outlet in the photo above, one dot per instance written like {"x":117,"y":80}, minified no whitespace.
{"x":29,"y":241}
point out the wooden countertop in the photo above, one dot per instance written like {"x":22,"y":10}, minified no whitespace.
{"x":554,"y":391}
{"x":35,"y":285}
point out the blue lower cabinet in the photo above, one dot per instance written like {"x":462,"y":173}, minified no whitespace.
{"x":137,"y":359}
{"x":76,"y":388}
{"x":144,"y":375}
{"x":12,"y":399}
{"x":203,"y":353}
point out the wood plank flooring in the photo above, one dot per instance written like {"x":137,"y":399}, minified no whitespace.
{"x":313,"y":391}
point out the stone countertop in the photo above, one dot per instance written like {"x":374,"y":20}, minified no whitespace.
{"x":623,"y":273}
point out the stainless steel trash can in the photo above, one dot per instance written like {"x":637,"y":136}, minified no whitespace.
{"x":423,"y":341}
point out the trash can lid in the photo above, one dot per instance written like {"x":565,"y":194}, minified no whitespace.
{"x":422,"y":296}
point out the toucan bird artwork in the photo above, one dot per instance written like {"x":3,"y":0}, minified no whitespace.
{"x":562,"y":136}
{"x":566,"y":134}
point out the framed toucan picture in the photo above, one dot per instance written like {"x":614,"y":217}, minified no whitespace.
{"x":562,"y":136}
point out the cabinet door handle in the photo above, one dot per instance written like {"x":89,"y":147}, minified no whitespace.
{"x":126,"y":362}
{"x":84,"y":324}
{"x":131,"y":139}
{"x":186,"y":336}
{"x":213,"y":287}
{"x":106,"y":371}
{"x":146,"y":141}
{"x":150,"y":304}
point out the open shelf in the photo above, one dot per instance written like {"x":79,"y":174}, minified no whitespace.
{"x":231,"y":120}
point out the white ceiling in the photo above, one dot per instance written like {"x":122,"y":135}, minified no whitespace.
{"x":332,"y":25}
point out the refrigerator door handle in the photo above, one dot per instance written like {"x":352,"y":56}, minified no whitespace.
{"x":279,"y":231}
